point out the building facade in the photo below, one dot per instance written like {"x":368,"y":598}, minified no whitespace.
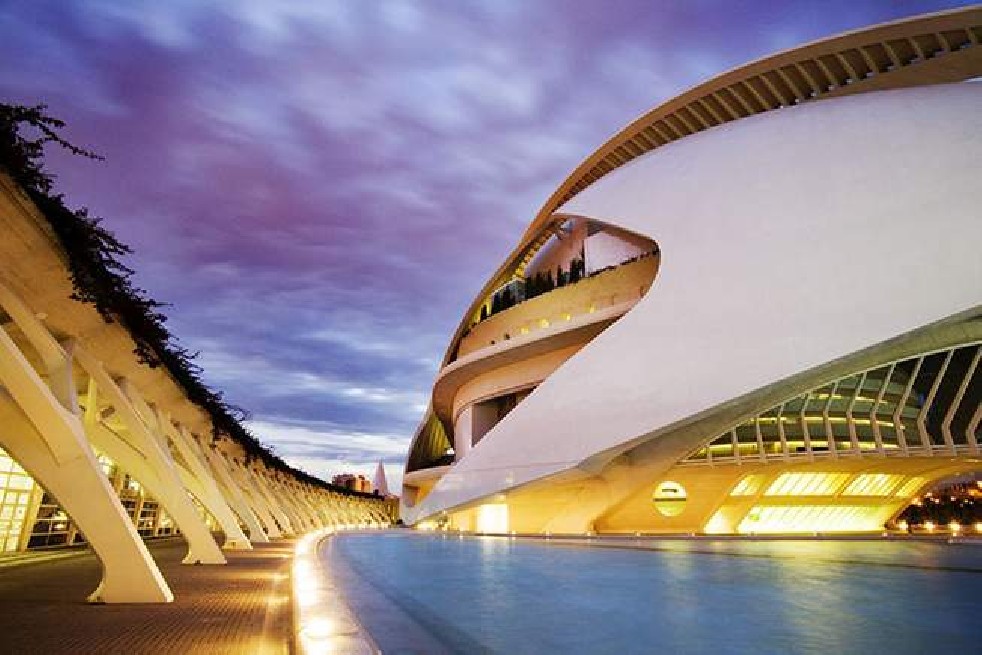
{"x":756,"y":309}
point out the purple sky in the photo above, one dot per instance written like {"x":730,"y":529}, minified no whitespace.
{"x":320,"y":188}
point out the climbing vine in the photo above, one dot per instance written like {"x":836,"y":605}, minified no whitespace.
{"x":101,"y":278}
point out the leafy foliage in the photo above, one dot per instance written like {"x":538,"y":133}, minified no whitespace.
{"x":100,"y":277}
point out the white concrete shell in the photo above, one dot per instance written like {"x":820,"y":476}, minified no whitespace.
{"x":796,"y":245}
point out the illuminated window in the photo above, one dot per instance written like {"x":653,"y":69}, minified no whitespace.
{"x":15,"y":493}
{"x":811,"y":518}
{"x":807,"y":484}
{"x":748,"y":486}
{"x":717,"y":524}
{"x":669,"y":498}
{"x":910,"y":487}
{"x":106,"y":464}
{"x":872,"y":484}
{"x":147,"y":520}
{"x":492,"y":518}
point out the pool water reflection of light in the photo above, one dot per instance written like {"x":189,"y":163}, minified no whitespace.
{"x":443,"y":593}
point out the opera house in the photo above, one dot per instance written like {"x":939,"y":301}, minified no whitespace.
{"x":756,"y":309}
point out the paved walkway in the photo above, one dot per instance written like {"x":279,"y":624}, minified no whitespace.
{"x":242,"y":608}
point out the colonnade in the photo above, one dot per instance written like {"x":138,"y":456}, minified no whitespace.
{"x":73,"y":389}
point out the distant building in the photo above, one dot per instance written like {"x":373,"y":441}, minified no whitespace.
{"x":381,"y":484}
{"x":353,"y":481}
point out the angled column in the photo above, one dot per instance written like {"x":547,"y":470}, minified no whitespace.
{"x":207,"y":492}
{"x":158,"y":465}
{"x":299,"y":492}
{"x":283,"y":500}
{"x":252,"y":496}
{"x":45,"y":436}
{"x":263,"y":495}
{"x":289,"y":495}
{"x":234,"y":494}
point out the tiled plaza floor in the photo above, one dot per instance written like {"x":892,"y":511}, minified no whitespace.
{"x":243,"y":607}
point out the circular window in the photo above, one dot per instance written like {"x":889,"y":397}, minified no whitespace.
{"x":669,"y":498}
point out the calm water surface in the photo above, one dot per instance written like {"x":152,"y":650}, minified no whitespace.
{"x":419,"y":593}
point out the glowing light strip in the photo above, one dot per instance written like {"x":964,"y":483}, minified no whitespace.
{"x":322,"y":622}
{"x":764,"y":519}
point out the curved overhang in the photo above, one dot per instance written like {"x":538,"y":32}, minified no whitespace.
{"x":930,"y":49}
{"x":938,"y":48}
{"x":840,"y":192}
{"x":578,"y":330}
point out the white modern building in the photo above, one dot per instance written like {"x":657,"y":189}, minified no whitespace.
{"x":755,"y":309}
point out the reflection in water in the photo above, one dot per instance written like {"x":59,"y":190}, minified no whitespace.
{"x":450,"y":594}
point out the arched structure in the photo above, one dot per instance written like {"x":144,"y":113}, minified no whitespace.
{"x":807,"y":355}
{"x":97,"y":446}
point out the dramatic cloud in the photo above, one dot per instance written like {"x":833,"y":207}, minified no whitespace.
{"x":319,"y":188}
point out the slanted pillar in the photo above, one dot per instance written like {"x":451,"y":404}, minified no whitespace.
{"x":155,"y":469}
{"x":258,"y":484}
{"x":289,"y":495}
{"x":205,"y":487}
{"x":252,"y":495}
{"x":299,"y":492}
{"x":44,"y":434}
{"x":282,"y":501}
{"x":234,"y":494}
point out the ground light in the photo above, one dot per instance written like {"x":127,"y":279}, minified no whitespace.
{"x":322,"y":622}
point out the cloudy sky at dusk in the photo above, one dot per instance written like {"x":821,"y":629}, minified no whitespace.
{"x":320,"y":188}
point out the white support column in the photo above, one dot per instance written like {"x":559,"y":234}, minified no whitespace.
{"x":288,"y":494}
{"x":874,"y":421}
{"x":131,"y":460}
{"x":208,"y":493}
{"x":253,"y":496}
{"x":318,"y":500}
{"x":57,"y":362}
{"x":902,"y":404}
{"x":290,"y":504}
{"x":328,"y":509}
{"x":276,"y":499}
{"x":234,"y":494}
{"x":957,"y":401}
{"x":827,"y":422}
{"x":850,"y":421}
{"x":929,"y":401}
{"x":168,"y":490}
{"x":300,"y":493}
{"x":259,"y":484}
{"x":48,"y":441}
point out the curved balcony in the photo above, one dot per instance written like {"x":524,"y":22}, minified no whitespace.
{"x":613,"y":287}
{"x":562,"y":319}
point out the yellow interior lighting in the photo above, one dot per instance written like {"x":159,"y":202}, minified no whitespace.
{"x":807,"y":484}
{"x":910,"y":487}
{"x":748,"y":486}
{"x":873,"y":484}
{"x":764,"y":519}
{"x":492,"y":518}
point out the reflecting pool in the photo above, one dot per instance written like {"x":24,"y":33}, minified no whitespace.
{"x":434,"y":593}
